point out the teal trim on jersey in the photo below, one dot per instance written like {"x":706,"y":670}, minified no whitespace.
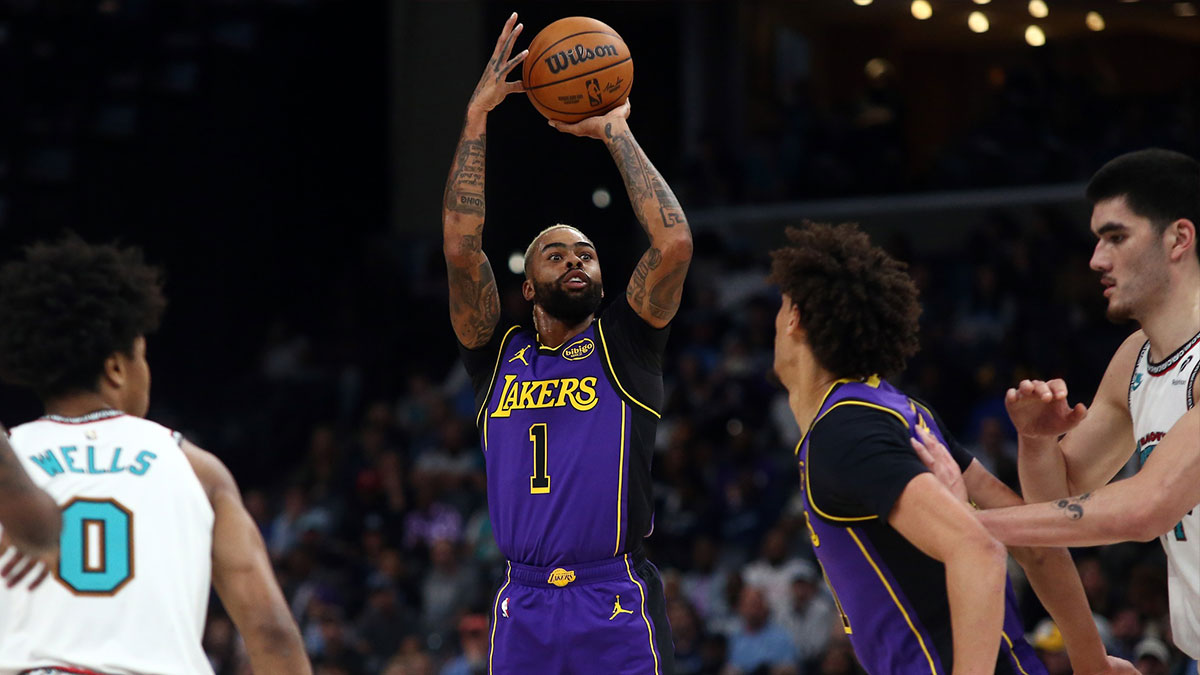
{"x":96,"y":561}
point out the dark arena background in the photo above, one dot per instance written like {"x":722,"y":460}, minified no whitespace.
{"x":284,"y":161}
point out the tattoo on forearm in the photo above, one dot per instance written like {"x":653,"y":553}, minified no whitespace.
{"x":474,"y":303}
{"x":464,"y":189}
{"x":667,"y":292}
{"x":648,"y":192}
{"x":636,"y":292}
{"x":1073,"y":507}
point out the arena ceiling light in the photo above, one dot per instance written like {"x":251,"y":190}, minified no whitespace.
{"x":1094,"y":21}
{"x":863,"y":3}
{"x":1034,"y":36}
{"x":1038,"y":9}
{"x":978,"y":22}
{"x":921,"y":9}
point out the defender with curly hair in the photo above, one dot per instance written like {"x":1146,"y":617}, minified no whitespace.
{"x":920,"y":584}
{"x":148,"y":519}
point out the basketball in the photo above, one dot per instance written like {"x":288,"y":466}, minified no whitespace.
{"x":577,"y":67}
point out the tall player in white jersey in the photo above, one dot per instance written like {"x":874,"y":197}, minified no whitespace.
{"x":148,"y":519}
{"x":1146,"y":208}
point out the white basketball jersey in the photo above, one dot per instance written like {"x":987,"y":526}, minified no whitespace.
{"x":132,"y":587}
{"x":1159,"y":394}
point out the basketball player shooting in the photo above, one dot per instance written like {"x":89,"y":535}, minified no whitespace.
{"x":568,"y":409}
{"x":149,"y":520}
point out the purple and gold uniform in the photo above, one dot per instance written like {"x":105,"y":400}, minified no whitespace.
{"x":567,"y":435}
{"x":855,"y":461}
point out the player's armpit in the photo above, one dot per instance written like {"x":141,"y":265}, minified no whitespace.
{"x":243,"y":577}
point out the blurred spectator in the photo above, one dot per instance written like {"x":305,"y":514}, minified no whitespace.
{"x":472,"y":658}
{"x":1151,"y":657}
{"x":811,"y":617}
{"x":1047,"y":641}
{"x":759,"y":642}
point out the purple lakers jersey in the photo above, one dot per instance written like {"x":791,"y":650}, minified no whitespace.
{"x":567,"y":446}
{"x":892,"y":597}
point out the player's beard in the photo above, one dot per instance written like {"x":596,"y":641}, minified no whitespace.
{"x":570,"y":307}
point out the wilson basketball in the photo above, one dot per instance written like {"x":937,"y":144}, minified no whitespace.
{"x":577,"y":67}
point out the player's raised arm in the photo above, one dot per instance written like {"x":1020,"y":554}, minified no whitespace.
{"x":1120,"y":511}
{"x":474,"y":301}
{"x":656,"y":286}
{"x":29,"y":517}
{"x":242,"y":574}
{"x":1098,"y":441}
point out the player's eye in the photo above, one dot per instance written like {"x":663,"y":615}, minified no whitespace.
{"x":585,"y":256}
{"x":554,"y":257}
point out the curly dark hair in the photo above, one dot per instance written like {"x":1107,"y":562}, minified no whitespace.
{"x":68,"y":306}
{"x":857,"y":303}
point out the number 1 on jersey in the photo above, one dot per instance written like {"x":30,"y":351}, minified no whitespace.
{"x":539,"y":482}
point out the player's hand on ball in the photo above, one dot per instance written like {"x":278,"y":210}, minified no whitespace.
{"x":19,"y":566}
{"x":493,"y":84}
{"x":1040,"y":409}
{"x":598,"y":126}
{"x":937,"y":459}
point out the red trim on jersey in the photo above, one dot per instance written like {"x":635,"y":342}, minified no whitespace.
{"x":61,"y":669}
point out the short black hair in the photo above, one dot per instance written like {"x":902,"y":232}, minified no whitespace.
{"x":857,"y":303}
{"x":1160,"y":185}
{"x":67,"y":306}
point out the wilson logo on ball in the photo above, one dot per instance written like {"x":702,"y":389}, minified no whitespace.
{"x":566,"y":58}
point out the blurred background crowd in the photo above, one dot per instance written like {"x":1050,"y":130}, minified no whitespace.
{"x":283,"y":160}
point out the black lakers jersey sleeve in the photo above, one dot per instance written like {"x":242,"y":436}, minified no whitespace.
{"x":860,"y":461}
{"x":634,"y":351}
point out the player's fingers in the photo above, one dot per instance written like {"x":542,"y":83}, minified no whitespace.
{"x":504,"y":32}
{"x":37,"y":581}
{"x":21,"y":572}
{"x":12,"y":562}
{"x":514,"y":87}
{"x":514,"y":62}
{"x":1042,"y":390}
{"x":1059,"y":387}
{"x":1078,"y":413}
{"x":1011,"y":395}
{"x":922,"y":453}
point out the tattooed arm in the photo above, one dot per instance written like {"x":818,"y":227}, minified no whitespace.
{"x":1140,"y":508}
{"x":474,"y":301}
{"x":656,"y":286}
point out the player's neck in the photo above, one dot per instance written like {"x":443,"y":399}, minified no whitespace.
{"x":78,"y":405}
{"x":1175,"y":321}
{"x":553,"y":331}
{"x":807,"y":391}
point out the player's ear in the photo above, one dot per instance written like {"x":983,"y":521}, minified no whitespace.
{"x":116,"y":369}
{"x":1180,"y":237}
{"x":527,"y":290}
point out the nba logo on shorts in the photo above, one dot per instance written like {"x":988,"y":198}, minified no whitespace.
{"x":593,"y":92}
{"x":504,"y":608}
